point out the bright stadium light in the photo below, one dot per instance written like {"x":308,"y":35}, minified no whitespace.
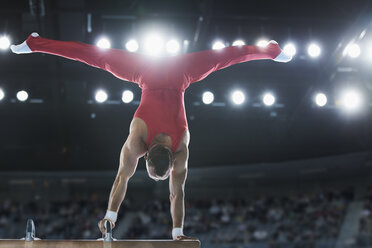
{"x":208,"y":97}
{"x":238,"y":97}
{"x":127,"y":96}
{"x":173,"y":46}
{"x":154,"y":44}
{"x":2,"y":94}
{"x":262,"y":43}
{"x":22,"y":95}
{"x":104,"y":43}
{"x":313,"y":50}
{"x":290,"y":49}
{"x":218,"y":45}
{"x":132,"y":45}
{"x":238,"y":43}
{"x":351,"y":100}
{"x":101,"y":96}
{"x":268,"y":99}
{"x":362,"y":34}
{"x":353,"y":50}
{"x":321,"y":99}
{"x":4,"y":42}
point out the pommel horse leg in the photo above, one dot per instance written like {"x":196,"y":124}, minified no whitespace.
{"x":30,"y":230}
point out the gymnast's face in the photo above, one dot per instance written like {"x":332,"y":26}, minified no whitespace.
{"x":159,"y":162}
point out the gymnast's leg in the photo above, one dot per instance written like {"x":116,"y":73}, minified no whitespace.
{"x":122,"y":64}
{"x":196,"y":66}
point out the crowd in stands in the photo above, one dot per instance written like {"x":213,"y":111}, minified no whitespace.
{"x":74,"y":219}
{"x":301,"y":220}
{"x":365,"y":223}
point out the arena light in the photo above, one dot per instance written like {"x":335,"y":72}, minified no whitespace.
{"x":22,"y":95}
{"x":208,"y":97}
{"x":238,"y":97}
{"x":290,"y":49}
{"x":4,"y":42}
{"x":268,"y":99}
{"x":104,"y":43}
{"x":313,"y":50}
{"x":262,"y":42}
{"x":127,"y":96}
{"x":173,"y":46}
{"x":217,"y":45}
{"x":353,"y":50}
{"x":2,"y":94}
{"x":320,"y":99}
{"x":362,"y":34}
{"x":132,"y":45}
{"x":154,"y":44}
{"x":238,"y":43}
{"x":101,"y":96}
{"x":351,"y":100}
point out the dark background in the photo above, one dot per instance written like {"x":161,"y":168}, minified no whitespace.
{"x":60,"y":133}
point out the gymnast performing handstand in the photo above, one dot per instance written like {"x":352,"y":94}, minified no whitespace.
{"x":159,"y":130}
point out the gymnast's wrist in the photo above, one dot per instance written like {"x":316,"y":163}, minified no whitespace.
{"x":111,"y":216}
{"x":177,"y":231}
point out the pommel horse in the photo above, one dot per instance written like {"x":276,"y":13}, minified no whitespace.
{"x":107,"y":241}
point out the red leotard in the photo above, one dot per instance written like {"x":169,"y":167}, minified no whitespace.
{"x":163,"y":80}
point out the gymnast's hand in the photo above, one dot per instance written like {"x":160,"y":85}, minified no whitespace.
{"x":183,"y":237}
{"x":101,"y":225}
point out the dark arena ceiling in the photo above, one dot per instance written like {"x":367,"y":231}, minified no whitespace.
{"x":61,"y":127}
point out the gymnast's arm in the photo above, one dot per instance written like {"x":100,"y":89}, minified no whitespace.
{"x":177,"y":190}
{"x":132,"y":150}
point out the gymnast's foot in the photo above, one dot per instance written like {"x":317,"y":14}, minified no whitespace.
{"x":282,"y":57}
{"x":23,"y":47}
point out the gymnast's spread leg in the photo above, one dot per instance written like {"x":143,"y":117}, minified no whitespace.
{"x":122,"y":64}
{"x":196,"y":66}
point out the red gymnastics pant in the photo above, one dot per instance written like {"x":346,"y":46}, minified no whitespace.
{"x":127,"y":66}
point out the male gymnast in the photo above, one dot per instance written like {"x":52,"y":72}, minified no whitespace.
{"x":159,"y":130}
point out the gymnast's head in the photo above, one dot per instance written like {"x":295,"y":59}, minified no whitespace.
{"x":159,"y":162}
